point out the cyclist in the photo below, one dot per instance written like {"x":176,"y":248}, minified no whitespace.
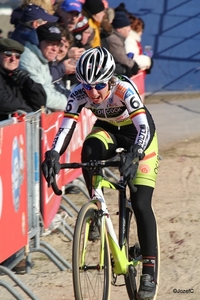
{"x":122,"y":121}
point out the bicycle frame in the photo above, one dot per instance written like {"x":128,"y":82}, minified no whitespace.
{"x":118,"y":250}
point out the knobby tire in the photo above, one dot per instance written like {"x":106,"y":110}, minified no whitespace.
{"x":92,"y":283}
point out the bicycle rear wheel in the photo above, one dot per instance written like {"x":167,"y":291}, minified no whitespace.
{"x":157,"y":264}
{"x":131,"y":239}
{"x":132,"y":279}
{"x":91,"y":281}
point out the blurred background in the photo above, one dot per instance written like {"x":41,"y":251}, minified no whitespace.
{"x":172,"y":28}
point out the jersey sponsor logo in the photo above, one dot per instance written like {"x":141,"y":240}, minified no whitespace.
{"x":134,"y":103}
{"x":156,"y":165}
{"x":56,"y":137}
{"x":142,"y":135}
{"x":120,"y":91}
{"x":144,"y":168}
{"x":78,"y":94}
{"x":109,"y":112}
{"x":128,"y":93}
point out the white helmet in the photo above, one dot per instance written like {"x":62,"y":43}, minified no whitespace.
{"x":95,"y":65}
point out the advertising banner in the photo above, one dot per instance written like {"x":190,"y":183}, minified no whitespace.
{"x":139,"y":80}
{"x":13,"y":190}
{"x":50,"y":202}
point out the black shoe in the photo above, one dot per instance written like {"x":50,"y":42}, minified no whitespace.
{"x":94,"y":232}
{"x":147,"y":288}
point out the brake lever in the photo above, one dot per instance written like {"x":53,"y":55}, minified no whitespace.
{"x":131,"y":186}
{"x":55,"y":187}
{"x":52,"y":182}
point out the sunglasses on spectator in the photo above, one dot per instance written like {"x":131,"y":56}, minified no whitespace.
{"x":10,"y":53}
{"x":98,"y":86}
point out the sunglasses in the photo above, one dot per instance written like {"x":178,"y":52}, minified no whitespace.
{"x":98,"y":86}
{"x":10,"y":53}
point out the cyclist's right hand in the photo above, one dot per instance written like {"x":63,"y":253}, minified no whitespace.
{"x":50,"y":166}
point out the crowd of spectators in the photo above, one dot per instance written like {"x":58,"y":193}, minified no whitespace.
{"x":48,"y":38}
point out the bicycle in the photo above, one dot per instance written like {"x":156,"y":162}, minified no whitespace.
{"x":98,"y":263}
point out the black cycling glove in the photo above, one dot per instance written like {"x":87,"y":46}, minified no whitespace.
{"x":137,"y":151}
{"x":129,"y":164}
{"x":50,"y":166}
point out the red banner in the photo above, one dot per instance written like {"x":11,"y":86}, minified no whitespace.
{"x":13,"y":190}
{"x":50,"y":124}
{"x":139,"y":80}
{"x":50,"y":203}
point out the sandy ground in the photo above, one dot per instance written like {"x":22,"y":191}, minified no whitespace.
{"x":176,"y":204}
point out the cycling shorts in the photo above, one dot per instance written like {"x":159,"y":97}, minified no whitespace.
{"x":148,"y":167}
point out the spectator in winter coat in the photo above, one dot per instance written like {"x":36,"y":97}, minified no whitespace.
{"x":17,"y":90}
{"x":42,"y":46}
{"x":116,"y":45}
{"x":69,"y":13}
{"x":94,"y":11}
{"x":133,"y":43}
{"x":63,"y":66}
{"x":31,"y":17}
{"x":106,"y":24}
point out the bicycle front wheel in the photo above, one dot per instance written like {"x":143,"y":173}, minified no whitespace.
{"x":91,"y":265}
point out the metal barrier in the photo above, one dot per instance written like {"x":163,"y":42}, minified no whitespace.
{"x":18,"y":282}
{"x":20,"y":199}
{"x":33,"y":123}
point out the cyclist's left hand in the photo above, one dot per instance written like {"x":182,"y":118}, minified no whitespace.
{"x":137,"y":151}
{"x":128,"y":167}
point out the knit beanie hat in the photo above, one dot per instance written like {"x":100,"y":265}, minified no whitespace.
{"x":120,"y":20}
{"x":121,"y":7}
{"x":93,"y":6}
{"x":81,"y":26}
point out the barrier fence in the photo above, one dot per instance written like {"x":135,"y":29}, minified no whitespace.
{"x":23,"y":192}
{"x":25,"y":198}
